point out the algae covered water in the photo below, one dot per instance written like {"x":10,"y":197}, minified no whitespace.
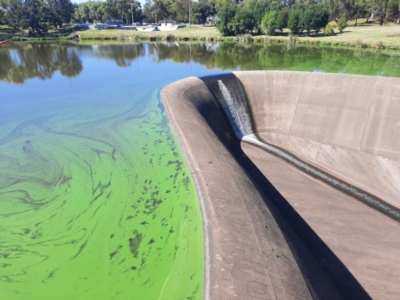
{"x":96,"y":201}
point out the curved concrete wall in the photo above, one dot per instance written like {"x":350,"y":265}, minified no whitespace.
{"x":259,"y":245}
{"x":347,"y":125}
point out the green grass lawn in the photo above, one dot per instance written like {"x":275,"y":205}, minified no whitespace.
{"x":7,"y":32}
{"x":195,"y":32}
{"x":388,"y":35}
{"x":364,"y":34}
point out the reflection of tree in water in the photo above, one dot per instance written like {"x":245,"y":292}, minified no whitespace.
{"x":183,"y":53}
{"x":22,"y":62}
{"x":123,"y":55}
{"x":279,"y":57}
{"x":233,"y":56}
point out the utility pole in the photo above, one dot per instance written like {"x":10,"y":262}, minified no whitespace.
{"x":190,"y":26}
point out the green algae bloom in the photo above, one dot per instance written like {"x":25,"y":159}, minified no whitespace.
{"x":96,"y":202}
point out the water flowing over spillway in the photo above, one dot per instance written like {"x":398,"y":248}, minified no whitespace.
{"x":231,"y":96}
{"x":236,"y":109}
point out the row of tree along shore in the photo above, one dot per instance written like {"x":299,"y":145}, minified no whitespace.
{"x":231,"y":17}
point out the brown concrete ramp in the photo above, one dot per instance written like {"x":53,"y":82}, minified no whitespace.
{"x":251,"y":252}
{"x":364,"y":240}
{"x":349,"y":127}
{"x":346,"y":125}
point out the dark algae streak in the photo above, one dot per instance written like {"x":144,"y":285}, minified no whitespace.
{"x":134,"y":243}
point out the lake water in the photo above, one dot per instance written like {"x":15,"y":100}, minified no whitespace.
{"x":96,"y":201}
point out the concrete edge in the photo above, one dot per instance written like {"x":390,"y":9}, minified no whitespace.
{"x":201,"y":194}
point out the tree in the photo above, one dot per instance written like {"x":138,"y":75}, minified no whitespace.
{"x":90,"y":12}
{"x":15,"y":13}
{"x":136,"y":8}
{"x":115,"y":10}
{"x":221,"y":4}
{"x":321,"y":18}
{"x":123,"y":12}
{"x":306,"y":19}
{"x":281,"y":20}
{"x":33,"y":14}
{"x":149,"y":11}
{"x":201,"y":10}
{"x":161,"y":11}
{"x":268,"y":23}
{"x":3,"y":17}
{"x":224,"y":17}
{"x":314,"y":18}
{"x":59,"y":11}
{"x":257,"y":10}
{"x":4,"y":5}
{"x":294,"y":20}
{"x":359,"y":9}
{"x":27,"y":14}
{"x":170,"y":7}
{"x":341,"y":24}
{"x":394,"y":9}
{"x":242,"y":22}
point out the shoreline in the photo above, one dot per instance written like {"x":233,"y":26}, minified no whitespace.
{"x":364,"y":36}
{"x":267,"y":41}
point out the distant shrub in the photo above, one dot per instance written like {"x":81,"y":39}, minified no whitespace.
{"x":378,"y":45}
{"x":246,"y":38}
{"x":341,"y":24}
{"x":360,"y":44}
{"x":330,"y":29}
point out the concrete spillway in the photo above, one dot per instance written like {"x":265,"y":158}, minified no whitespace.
{"x":334,"y":139}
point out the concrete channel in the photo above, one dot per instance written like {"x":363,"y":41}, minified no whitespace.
{"x":272,"y":230}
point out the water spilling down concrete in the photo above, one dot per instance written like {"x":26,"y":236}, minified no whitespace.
{"x":298,"y":176}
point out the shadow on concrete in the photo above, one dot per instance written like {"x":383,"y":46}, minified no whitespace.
{"x":319,"y":265}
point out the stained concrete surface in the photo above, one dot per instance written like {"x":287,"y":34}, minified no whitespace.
{"x":330,"y":244}
{"x":366,"y":241}
{"x":348,"y":125}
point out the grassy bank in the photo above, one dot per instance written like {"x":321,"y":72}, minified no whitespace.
{"x":195,"y":32}
{"x":362,"y":36}
{"x":65,"y":33}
